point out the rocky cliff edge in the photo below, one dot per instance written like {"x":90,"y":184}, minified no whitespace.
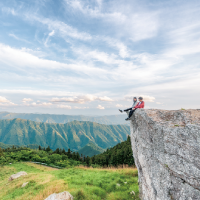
{"x":166,"y":149}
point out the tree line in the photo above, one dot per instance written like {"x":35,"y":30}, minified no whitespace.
{"x":118,"y":155}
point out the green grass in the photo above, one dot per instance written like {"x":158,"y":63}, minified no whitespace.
{"x":176,"y":125}
{"x":82,"y":183}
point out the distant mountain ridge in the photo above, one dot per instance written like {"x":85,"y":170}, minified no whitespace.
{"x":53,"y":118}
{"x":90,"y":149}
{"x":73,"y":135}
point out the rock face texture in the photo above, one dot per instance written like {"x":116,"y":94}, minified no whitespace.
{"x":166,"y":149}
{"x":15,"y":176}
{"x":60,"y":196}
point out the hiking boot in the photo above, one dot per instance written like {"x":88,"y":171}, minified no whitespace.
{"x":127,"y":119}
{"x":120,"y":110}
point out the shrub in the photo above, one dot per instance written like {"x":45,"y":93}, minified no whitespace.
{"x":80,"y":195}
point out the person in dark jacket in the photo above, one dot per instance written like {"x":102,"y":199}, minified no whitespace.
{"x":140,"y":104}
{"x":134,"y":104}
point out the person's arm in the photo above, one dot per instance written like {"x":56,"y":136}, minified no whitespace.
{"x":135,"y":106}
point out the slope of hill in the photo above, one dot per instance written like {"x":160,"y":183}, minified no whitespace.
{"x":51,"y":118}
{"x":118,"y":155}
{"x":90,"y":149}
{"x":73,"y":135}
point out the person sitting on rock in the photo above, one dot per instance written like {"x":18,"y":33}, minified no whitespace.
{"x":140,"y":104}
{"x":134,"y":104}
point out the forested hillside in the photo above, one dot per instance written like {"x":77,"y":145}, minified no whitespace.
{"x":52,"y":118}
{"x":31,"y":146}
{"x":73,"y":135}
{"x":118,"y":155}
{"x":90,"y":149}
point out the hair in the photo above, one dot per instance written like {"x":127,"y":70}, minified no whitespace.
{"x":140,"y":98}
{"x":135,"y":98}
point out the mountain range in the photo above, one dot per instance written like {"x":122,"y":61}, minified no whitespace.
{"x":52,"y":118}
{"x":73,"y":135}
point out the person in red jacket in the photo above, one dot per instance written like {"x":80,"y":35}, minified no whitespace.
{"x":140,"y":104}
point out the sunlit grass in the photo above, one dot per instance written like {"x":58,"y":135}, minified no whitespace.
{"x":82,"y":183}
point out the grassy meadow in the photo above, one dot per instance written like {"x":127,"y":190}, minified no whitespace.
{"x":82,"y":183}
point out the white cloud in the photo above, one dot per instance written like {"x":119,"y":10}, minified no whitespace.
{"x":17,"y":38}
{"x":148,"y":98}
{"x":64,"y":106}
{"x":125,"y":19}
{"x":124,"y":52}
{"x":21,"y":59}
{"x":62,"y":28}
{"x":5,"y":102}
{"x":145,"y":97}
{"x":24,"y":100}
{"x":43,"y":104}
{"x":8,"y":10}
{"x":76,"y":107}
{"x":159,"y":103}
{"x":52,"y":33}
{"x":104,"y":98}
{"x":81,"y":99}
{"x":100,"y":107}
{"x":36,"y":92}
{"x":49,"y":35}
{"x":119,"y":105}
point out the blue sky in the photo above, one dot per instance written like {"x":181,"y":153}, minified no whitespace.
{"x":91,"y":57}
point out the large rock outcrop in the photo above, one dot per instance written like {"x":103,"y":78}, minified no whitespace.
{"x":166,"y":148}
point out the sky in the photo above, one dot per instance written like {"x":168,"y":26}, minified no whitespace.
{"x":91,"y":57}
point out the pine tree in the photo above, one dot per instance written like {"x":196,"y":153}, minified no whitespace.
{"x":84,"y":159}
{"x":63,"y":151}
{"x":88,"y":161}
{"x":57,"y":151}
{"x":77,"y":156}
{"x":69,"y":153}
{"x":48,"y":149}
{"x":1,"y":152}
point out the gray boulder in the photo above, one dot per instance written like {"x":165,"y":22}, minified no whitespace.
{"x":166,"y":149}
{"x":25,"y":184}
{"x":15,"y":176}
{"x":60,"y":196}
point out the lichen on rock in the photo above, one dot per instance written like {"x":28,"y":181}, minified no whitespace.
{"x":166,"y":149}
